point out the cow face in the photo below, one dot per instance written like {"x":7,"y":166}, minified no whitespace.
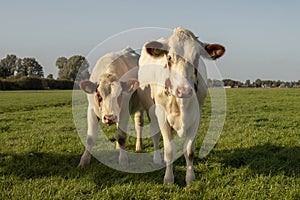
{"x":179,"y":54}
{"x":108,"y":95}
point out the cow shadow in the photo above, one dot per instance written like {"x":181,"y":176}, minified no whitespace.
{"x":267,"y":159}
{"x":35,"y":165}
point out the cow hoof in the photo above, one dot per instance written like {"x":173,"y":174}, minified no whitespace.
{"x":83,"y":163}
{"x":168,"y":180}
{"x":138,"y":147}
{"x":190,"y":177}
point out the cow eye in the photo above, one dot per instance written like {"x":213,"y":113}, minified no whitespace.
{"x":169,"y":58}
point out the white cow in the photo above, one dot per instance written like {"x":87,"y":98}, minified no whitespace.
{"x":104,"y":91}
{"x":169,"y":75}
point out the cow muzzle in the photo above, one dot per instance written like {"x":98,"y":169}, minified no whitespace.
{"x":109,"y":119}
{"x":183,"y":92}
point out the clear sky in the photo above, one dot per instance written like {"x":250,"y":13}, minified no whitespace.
{"x":262,"y":37}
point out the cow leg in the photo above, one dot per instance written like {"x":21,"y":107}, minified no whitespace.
{"x":121,"y":141}
{"x":92,"y":134}
{"x":169,"y":144}
{"x":139,"y":123}
{"x":154,"y":131}
{"x":156,"y":157}
{"x":169,"y":154}
{"x":188,"y":149}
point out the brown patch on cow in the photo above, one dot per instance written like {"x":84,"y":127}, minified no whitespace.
{"x":196,"y":79}
{"x":215,"y":50}
{"x":98,"y":98}
{"x":191,"y":156}
{"x":168,"y":86}
{"x":169,"y":62}
{"x":169,"y":65}
{"x":98,"y":118}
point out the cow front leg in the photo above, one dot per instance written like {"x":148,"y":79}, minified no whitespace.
{"x":189,"y":149}
{"x":121,"y":141}
{"x":139,"y":124}
{"x":169,"y":154}
{"x":92,"y":134}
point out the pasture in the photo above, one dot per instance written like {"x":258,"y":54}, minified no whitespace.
{"x":256,"y":157}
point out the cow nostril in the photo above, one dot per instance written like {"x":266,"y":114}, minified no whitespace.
{"x":110,"y":118}
{"x":183,"y":92}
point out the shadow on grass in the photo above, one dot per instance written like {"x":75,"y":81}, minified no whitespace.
{"x":34,"y":165}
{"x":267,"y":159}
{"x":37,"y":165}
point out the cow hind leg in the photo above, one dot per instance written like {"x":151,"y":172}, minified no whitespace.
{"x":156,"y":156}
{"x":139,"y":124}
{"x":155,"y":133}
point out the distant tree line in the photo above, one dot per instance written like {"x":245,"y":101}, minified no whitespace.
{"x":12,"y":66}
{"x":258,"y":83}
{"x":27,"y":73}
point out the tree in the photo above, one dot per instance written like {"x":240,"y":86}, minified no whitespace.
{"x":30,"y":67}
{"x":8,"y":66}
{"x":20,"y":71}
{"x":61,"y":63}
{"x":72,"y":68}
{"x":258,"y":82}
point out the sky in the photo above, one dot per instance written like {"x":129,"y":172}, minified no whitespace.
{"x":262,"y":38}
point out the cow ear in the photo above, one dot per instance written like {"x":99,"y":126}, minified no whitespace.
{"x":130,"y":85}
{"x":155,"y":49}
{"x":215,"y":51}
{"x":88,"y":86}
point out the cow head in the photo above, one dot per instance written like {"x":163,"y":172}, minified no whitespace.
{"x":108,"y":95}
{"x":179,"y":55}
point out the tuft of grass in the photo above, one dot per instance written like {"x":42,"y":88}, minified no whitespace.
{"x":256,"y":157}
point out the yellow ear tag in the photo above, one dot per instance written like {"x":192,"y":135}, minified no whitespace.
{"x":213,"y":54}
{"x":157,"y":51}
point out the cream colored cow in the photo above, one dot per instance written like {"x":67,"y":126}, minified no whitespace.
{"x":170,"y":73}
{"x":105,"y":90}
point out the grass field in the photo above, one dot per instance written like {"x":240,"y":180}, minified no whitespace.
{"x":256,"y":157}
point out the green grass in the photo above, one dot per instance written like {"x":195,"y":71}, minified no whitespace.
{"x":256,"y":157}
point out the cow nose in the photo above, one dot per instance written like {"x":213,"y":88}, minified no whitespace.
{"x":184,"y":92}
{"x":109,"y":119}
